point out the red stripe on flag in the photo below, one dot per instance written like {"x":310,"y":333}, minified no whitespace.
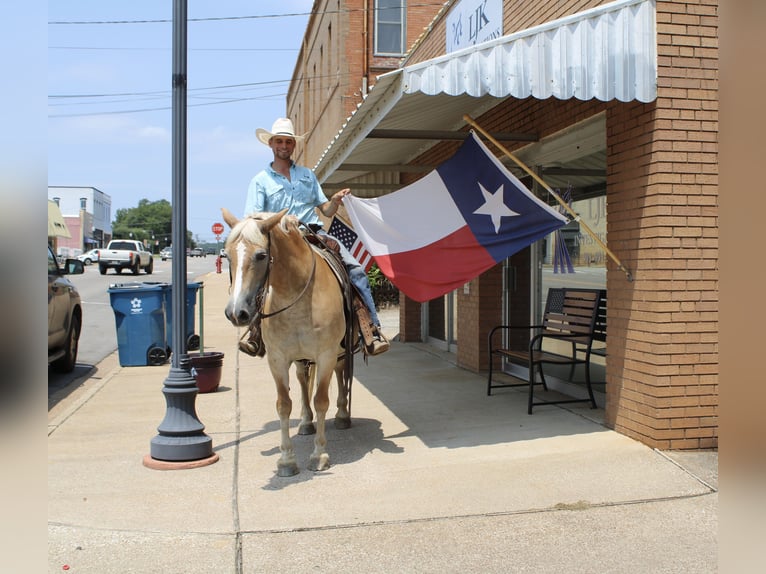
{"x":426,"y":273}
{"x":362,"y":255}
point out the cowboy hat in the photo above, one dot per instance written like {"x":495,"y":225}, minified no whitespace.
{"x":281,"y":127}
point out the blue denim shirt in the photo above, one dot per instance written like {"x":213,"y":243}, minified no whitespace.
{"x":271,"y":191}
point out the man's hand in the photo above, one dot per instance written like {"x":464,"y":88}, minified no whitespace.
{"x":338,"y":197}
{"x":331,"y":207}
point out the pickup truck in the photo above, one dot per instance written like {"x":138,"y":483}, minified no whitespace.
{"x":122,"y":254}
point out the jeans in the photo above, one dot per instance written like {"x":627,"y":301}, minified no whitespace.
{"x":358,"y":278}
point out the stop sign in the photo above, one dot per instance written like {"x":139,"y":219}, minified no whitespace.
{"x":218,"y":228}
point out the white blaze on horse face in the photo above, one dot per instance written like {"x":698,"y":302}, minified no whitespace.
{"x":239,"y":271}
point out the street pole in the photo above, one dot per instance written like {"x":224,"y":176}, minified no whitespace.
{"x":181,"y":442}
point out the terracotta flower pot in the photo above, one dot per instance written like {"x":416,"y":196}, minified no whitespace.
{"x":206,"y":369}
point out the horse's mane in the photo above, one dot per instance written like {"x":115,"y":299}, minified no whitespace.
{"x":247,"y":228}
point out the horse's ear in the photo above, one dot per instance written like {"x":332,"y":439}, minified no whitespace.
{"x":229,"y":218}
{"x":266,"y":224}
{"x":289,"y":223}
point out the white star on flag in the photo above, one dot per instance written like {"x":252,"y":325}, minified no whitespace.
{"x":494,"y":206}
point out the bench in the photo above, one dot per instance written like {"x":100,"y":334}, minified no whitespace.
{"x":574,"y":316}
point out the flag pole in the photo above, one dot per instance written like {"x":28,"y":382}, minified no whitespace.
{"x":564,"y":204}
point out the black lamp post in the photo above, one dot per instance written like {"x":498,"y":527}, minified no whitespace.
{"x":181,"y":442}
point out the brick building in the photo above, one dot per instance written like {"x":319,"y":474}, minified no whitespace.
{"x":614,"y":102}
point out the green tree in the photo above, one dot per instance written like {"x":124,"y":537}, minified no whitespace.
{"x":149,"y":220}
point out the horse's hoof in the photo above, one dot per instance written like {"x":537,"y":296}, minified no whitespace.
{"x":307,"y":428}
{"x":321,"y":462}
{"x":342,"y":423}
{"x":287,"y":470}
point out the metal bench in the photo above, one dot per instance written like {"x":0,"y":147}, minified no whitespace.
{"x":574,"y":316}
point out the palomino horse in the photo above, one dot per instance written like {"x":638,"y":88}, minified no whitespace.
{"x":276,"y":274}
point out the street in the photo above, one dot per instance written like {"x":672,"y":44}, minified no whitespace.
{"x":99,"y":334}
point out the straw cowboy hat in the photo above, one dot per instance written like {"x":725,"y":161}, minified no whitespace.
{"x":281,"y":127}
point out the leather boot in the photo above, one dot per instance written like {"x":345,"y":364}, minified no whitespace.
{"x":374,"y":341}
{"x":379,"y":343}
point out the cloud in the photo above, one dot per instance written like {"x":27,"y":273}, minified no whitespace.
{"x":153,"y":133}
{"x":106,"y":129}
{"x":220,"y":145}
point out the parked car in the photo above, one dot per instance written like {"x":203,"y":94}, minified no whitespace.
{"x":89,"y":257}
{"x":64,"y":313}
{"x":197,"y":252}
{"x":166,"y":253}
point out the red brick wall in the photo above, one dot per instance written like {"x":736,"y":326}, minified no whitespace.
{"x":478,"y":312}
{"x":409,"y":320}
{"x":662,"y":364}
{"x":329,"y":76}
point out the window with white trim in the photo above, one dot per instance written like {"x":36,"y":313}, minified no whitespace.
{"x":390,"y":29}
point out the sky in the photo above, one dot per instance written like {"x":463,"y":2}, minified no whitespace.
{"x":110,"y":94}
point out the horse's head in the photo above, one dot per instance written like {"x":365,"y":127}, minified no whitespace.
{"x":248,"y":251}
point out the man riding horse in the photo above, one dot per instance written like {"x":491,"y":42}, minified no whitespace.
{"x":286,"y":185}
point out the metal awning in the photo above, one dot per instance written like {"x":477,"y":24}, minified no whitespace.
{"x":56,"y":224}
{"x":605,"y":53}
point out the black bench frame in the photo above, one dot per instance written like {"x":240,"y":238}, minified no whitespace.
{"x":577,"y":316}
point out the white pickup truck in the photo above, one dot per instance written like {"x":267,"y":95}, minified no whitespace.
{"x":125,"y":254}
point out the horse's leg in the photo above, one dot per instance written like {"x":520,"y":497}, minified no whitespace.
{"x":306,"y":379}
{"x":319,"y":459}
{"x":343,"y":416}
{"x":287,"y":464}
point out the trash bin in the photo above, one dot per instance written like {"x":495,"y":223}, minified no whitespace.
{"x":139,"y":315}
{"x":192,"y":339}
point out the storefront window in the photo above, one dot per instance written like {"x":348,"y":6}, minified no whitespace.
{"x":570,"y":256}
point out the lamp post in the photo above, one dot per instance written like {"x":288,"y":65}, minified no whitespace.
{"x":181,"y":442}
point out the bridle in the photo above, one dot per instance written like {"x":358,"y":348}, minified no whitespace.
{"x":260,"y":298}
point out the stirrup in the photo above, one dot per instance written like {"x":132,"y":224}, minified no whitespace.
{"x":379,"y":344}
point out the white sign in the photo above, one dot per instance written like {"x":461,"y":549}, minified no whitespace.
{"x":473,"y":22}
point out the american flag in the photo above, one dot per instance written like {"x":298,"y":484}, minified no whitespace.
{"x":351,"y":241}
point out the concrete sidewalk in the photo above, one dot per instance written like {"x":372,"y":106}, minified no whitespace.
{"x":433,"y":476}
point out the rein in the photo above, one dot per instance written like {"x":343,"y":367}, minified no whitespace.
{"x":263,"y":315}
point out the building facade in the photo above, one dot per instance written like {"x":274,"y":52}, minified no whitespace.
{"x":87,"y":212}
{"x":348,"y":43}
{"x":614,"y":104}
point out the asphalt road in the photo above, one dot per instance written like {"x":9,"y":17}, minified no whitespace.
{"x":99,"y":333}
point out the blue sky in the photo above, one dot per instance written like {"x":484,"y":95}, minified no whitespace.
{"x":109,"y":97}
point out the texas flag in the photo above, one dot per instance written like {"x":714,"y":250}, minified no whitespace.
{"x":447,"y":228}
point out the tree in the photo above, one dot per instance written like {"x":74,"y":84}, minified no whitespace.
{"x":150,"y":220}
